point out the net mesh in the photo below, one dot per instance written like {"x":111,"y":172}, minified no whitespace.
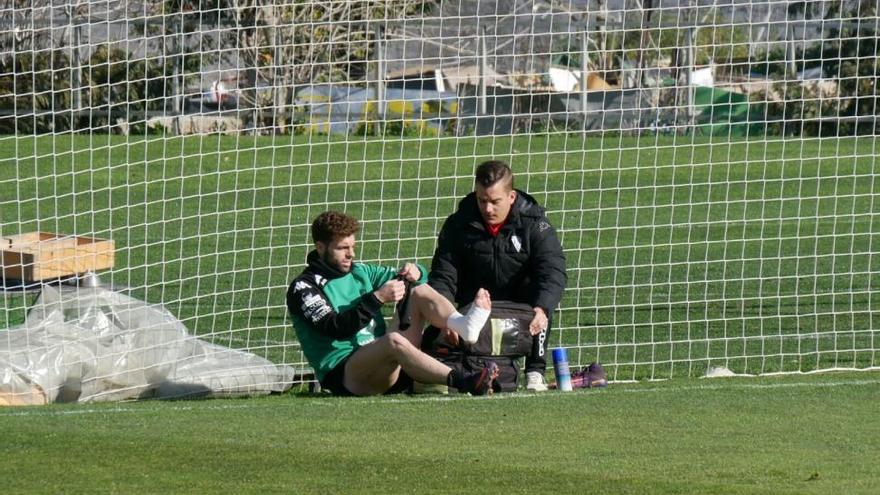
{"x":710,"y":166}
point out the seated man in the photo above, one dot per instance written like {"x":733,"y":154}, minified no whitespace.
{"x":336,"y":308}
{"x":501,"y":240}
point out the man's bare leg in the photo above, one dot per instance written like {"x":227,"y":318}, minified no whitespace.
{"x":375,"y":367}
{"x":370,"y":370}
{"x":426,"y":304}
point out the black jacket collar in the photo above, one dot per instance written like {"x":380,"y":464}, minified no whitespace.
{"x":318,"y":266}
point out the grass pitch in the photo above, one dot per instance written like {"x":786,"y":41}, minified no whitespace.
{"x":683,"y":252}
{"x":773,"y":435}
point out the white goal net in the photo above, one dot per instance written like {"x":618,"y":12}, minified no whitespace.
{"x":710,"y":166}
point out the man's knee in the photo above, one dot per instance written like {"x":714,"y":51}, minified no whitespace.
{"x":423,"y":291}
{"x":398,"y":343}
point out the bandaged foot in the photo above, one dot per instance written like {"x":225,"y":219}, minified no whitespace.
{"x":468,"y":326}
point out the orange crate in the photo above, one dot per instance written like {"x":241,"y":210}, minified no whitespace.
{"x":43,"y":255}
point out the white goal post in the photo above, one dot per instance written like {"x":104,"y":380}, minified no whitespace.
{"x":711,"y":166}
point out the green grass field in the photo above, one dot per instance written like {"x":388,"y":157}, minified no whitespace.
{"x":683,"y":252}
{"x":809,"y":434}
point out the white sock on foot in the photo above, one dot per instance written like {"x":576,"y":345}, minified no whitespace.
{"x":468,"y":326}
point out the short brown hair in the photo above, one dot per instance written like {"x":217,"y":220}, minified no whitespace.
{"x":492,"y":172}
{"x":332,"y":224}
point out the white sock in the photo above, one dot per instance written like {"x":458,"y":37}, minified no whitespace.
{"x":468,"y":326}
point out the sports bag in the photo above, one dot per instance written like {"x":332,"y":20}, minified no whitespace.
{"x":504,"y":339}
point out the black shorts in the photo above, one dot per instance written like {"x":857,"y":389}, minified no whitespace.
{"x":334,"y":382}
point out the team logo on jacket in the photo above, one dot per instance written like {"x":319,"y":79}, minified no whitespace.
{"x":517,"y":244}
{"x":315,"y":307}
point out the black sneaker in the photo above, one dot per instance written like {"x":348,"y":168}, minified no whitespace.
{"x":480,"y":382}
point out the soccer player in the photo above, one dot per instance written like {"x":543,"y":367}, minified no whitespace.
{"x":336,"y":308}
{"x":499,"y":239}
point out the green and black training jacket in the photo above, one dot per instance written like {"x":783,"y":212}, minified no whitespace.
{"x":335,"y":313}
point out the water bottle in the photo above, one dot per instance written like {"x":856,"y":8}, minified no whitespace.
{"x":563,"y":373}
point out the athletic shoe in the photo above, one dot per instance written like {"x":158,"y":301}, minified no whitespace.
{"x":535,"y":381}
{"x":480,"y":382}
{"x":589,"y":377}
{"x":596,"y":375}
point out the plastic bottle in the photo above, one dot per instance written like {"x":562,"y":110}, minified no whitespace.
{"x":563,"y":373}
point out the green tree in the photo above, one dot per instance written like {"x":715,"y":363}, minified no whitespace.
{"x":118,"y":83}
{"x":34,"y":91}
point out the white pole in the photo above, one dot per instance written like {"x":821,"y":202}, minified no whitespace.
{"x":483,"y":70}
{"x":584,"y":76}
{"x":380,"y":75}
{"x":692,"y":31}
{"x":77,"y":74}
{"x":790,"y":54}
{"x":176,"y":88}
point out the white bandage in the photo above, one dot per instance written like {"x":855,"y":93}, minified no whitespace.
{"x":468,"y":326}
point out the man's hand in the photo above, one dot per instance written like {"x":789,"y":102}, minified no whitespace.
{"x":392,"y":291}
{"x":410,"y":272}
{"x":539,"y":322}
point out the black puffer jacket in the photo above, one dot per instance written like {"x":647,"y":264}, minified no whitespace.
{"x":524,"y":263}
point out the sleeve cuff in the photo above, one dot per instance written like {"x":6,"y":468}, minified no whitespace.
{"x":371,"y":302}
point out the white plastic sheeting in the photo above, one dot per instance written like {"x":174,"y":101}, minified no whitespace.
{"x":92,"y":344}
